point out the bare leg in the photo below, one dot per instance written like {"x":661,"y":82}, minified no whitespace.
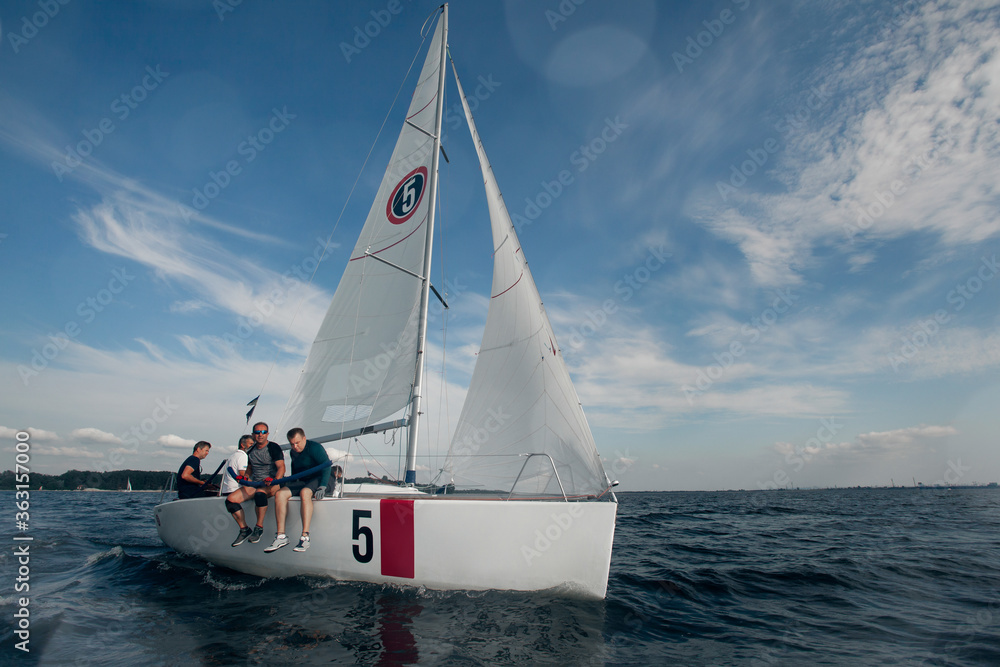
{"x":307,"y":509}
{"x":281,"y":508}
{"x":261,"y":511}
{"x":239,"y":496}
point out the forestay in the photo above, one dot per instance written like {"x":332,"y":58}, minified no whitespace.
{"x":361,"y":366}
{"x":521,"y":399}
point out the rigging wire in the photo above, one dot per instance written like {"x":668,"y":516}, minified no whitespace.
{"x":364,"y":461}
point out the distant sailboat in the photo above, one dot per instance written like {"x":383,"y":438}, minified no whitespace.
{"x":128,"y":486}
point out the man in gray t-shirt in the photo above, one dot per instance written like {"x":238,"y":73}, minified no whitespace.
{"x":266,"y":462}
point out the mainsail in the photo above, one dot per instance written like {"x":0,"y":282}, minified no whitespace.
{"x":362,"y":364}
{"x":521,"y":399}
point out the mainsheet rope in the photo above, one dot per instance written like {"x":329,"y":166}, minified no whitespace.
{"x":280,"y":480}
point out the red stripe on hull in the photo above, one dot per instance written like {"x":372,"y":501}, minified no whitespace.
{"x":396,"y":522}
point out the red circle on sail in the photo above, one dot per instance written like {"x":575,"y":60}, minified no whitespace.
{"x":406,"y":196}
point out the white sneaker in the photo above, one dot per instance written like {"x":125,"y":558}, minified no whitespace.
{"x":279,"y":541}
{"x":303,"y":544}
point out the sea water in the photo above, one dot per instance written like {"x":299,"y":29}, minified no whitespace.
{"x":828,"y":577}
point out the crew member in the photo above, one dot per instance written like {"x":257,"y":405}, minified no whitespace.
{"x":305,"y":455}
{"x":189,"y":481}
{"x":237,"y":463}
{"x":266,"y":462}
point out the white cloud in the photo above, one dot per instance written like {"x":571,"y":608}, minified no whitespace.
{"x":137,"y":223}
{"x":221,"y":279}
{"x":951,"y":351}
{"x":67,"y":452}
{"x":338,"y":455}
{"x":858,"y":261}
{"x":775,"y":248}
{"x":635,"y":383}
{"x":27,"y":130}
{"x":903,"y":437}
{"x":908,"y":143}
{"x":96,"y":435}
{"x":867,"y":445}
{"x":708,"y":281}
{"x":175,"y":441}
{"x":190,"y":306}
{"x":39,"y":435}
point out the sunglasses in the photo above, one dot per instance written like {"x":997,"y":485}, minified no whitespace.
{"x":259,"y":432}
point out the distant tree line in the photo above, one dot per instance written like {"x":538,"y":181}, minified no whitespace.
{"x":71,"y":480}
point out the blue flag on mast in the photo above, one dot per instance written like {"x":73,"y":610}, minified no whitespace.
{"x":253,"y":405}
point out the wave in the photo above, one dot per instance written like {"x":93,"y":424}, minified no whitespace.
{"x":113,"y":552}
{"x":221,"y":582}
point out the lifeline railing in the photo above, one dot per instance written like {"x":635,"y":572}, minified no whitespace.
{"x":528,"y":457}
{"x":167,"y":486}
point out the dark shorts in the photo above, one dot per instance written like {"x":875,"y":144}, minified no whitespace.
{"x":296,"y":486}
{"x":261,"y":487}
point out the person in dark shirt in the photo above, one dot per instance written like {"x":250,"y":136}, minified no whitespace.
{"x":266,"y":463}
{"x":189,"y":482}
{"x":305,"y":455}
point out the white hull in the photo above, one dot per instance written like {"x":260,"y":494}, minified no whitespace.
{"x":439,"y":542}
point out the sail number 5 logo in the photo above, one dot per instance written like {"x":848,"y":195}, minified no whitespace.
{"x":364,"y":551}
{"x":406,"y":196}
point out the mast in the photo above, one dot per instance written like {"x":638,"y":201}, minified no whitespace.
{"x":411,"y":444}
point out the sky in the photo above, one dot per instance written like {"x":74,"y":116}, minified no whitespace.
{"x":766,"y":234}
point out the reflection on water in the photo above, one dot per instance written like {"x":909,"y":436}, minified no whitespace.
{"x":399,"y":647}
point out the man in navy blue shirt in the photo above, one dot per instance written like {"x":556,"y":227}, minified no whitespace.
{"x":189,"y":482}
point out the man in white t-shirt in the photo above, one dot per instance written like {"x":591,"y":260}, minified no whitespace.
{"x":238,"y":464}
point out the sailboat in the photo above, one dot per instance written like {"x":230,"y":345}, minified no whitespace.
{"x":543,"y":516}
{"x":128,"y":485}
